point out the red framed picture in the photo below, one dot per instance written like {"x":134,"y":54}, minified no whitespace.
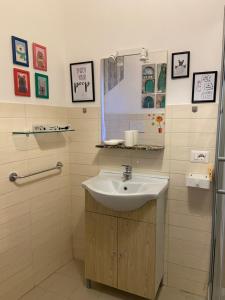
{"x":21,"y":82}
{"x":39,"y":57}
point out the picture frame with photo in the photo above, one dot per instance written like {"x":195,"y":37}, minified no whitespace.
{"x":180,"y":65}
{"x":41,"y":86}
{"x":39,"y":57}
{"x":82,"y":81}
{"x":204,"y":87}
{"x":21,"y":82}
{"x":20,"y":51}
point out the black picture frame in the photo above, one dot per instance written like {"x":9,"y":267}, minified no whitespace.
{"x":83,"y":82}
{"x":186,"y":75}
{"x":206,"y":92}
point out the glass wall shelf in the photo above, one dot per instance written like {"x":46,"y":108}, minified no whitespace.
{"x":136,"y":147}
{"x":41,"y":132}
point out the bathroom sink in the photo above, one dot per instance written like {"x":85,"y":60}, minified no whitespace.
{"x":110,"y":190}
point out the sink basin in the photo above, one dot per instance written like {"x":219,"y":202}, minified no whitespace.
{"x":108,"y":189}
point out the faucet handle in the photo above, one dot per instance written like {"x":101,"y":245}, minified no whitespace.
{"x":128,"y":168}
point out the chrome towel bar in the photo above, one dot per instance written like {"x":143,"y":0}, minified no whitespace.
{"x":14,"y":176}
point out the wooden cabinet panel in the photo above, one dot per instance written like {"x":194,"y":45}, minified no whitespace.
{"x":136,"y":257}
{"x":101,"y":249}
{"x":145,"y":213}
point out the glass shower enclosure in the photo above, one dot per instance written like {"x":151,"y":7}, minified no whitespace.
{"x":217,"y":282}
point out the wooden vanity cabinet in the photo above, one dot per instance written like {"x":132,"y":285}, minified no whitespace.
{"x":122,"y":248}
{"x":101,"y":253}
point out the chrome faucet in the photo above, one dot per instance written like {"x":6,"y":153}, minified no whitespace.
{"x":127,"y":174}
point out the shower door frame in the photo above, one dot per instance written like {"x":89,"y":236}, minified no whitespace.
{"x":217,"y":192}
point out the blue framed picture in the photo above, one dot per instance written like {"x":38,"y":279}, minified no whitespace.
{"x":20,"y":52}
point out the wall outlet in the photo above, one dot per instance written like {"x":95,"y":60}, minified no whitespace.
{"x":199,"y":156}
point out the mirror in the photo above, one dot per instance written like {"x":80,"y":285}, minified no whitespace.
{"x":134,"y":97}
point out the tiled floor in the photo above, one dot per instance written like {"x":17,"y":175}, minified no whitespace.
{"x":68,"y":284}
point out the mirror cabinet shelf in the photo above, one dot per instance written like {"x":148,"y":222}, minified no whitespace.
{"x":133,"y":98}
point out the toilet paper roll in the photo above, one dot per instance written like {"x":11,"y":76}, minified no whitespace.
{"x":129,"y":138}
{"x":135,"y":136}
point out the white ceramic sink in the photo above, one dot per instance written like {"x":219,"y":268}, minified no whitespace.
{"x":110,"y":190}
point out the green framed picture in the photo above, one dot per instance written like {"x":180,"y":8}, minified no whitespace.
{"x":41,"y":86}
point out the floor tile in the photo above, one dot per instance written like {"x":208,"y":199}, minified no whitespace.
{"x":53,"y":296}
{"x":68,"y":284}
{"x":193,"y":297}
{"x":85,"y":294}
{"x":64,"y":286}
{"x":167,"y":293}
{"x":170,"y":294}
{"x":35,"y":294}
{"x":74,"y":269}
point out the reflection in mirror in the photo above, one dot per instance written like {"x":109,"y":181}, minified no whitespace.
{"x":134,"y":97}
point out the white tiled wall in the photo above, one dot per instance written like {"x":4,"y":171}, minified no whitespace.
{"x":188,"y":210}
{"x":35,"y":216}
{"x":151,"y":132}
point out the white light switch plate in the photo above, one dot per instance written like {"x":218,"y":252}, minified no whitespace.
{"x":199,"y":156}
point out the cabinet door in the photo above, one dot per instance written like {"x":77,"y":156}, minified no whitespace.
{"x":136,"y":257}
{"x":101,"y":249}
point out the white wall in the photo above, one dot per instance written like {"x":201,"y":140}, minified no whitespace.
{"x":98,"y":27}
{"x":36,"y":21}
{"x":74,"y":31}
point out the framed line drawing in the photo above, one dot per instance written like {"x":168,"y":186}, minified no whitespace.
{"x":21,"y":82}
{"x":20,"y":51}
{"x":180,"y":65}
{"x":204,"y":87}
{"x":82,"y":81}
{"x":39,"y":57}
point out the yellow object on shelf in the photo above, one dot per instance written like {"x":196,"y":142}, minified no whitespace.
{"x":210,"y":172}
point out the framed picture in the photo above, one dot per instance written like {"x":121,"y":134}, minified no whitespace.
{"x":204,"y":87}
{"x":148,"y":101}
{"x":21,"y":82}
{"x":39,"y":57}
{"x":82,"y":81}
{"x":20,"y":52}
{"x":41,"y":86}
{"x":180,"y":65}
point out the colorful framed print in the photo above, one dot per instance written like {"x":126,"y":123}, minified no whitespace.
{"x":148,"y":79}
{"x":20,"y":51}
{"x":204,"y":87}
{"x":82,"y":81}
{"x":41,"y":86}
{"x":39,"y":57}
{"x":21,"y":82}
{"x":148,"y":101}
{"x":160,"y":100}
{"x":180,"y":65}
